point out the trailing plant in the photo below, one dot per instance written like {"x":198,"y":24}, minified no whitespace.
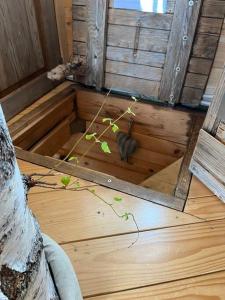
{"x":66,"y":182}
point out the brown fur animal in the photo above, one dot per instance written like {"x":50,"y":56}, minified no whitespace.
{"x":127,"y":144}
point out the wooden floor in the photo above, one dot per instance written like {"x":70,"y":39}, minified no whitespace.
{"x":177,"y":256}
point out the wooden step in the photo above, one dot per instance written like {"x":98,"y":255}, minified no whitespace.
{"x":165,"y":180}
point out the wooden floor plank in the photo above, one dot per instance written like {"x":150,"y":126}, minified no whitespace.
{"x":209,"y":208}
{"x":108,"y":265}
{"x":198,"y":189}
{"x":206,"y":287}
{"x":71,"y":216}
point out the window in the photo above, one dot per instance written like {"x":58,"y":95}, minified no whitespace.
{"x":156,"y":6}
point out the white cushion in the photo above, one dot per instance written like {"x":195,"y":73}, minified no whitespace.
{"x":62,"y":269}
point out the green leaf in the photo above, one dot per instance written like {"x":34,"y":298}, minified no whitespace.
{"x":65,"y":180}
{"x":125,"y":216}
{"x":105,"y":147}
{"x":129,"y":111}
{"x":74,"y":158}
{"x":115,"y":128}
{"x":90,"y":136}
{"x":107,"y":120}
{"x":118,"y":199}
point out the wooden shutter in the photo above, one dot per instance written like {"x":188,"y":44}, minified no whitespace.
{"x":208,"y":161}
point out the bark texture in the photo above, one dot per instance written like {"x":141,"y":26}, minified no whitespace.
{"x":24,"y":272}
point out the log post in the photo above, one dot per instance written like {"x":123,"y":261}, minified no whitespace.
{"x":24,"y":272}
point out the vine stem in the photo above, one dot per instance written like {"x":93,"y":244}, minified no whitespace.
{"x":88,"y":188}
{"x":79,"y":140}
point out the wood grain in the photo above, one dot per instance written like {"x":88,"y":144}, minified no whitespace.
{"x":16,"y":48}
{"x":64,"y":31}
{"x":184,"y":178}
{"x":184,"y":24}
{"x":132,"y":86}
{"x":202,"y":287}
{"x":102,"y":179}
{"x":200,"y":65}
{"x":217,"y":109}
{"x":208,"y":208}
{"x":52,"y":142}
{"x":213,"y":8}
{"x":158,"y":256}
{"x":123,"y":36}
{"x":198,"y":189}
{"x":133,"y":70}
{"x":148,"y":20}
{"x":97,"y":12}
{"x":191,"y":96}
{"x":147,"y":142}
{"x":80,"y":31}
{"x":154,"y":118}
{"x":205,"y":46}
{"x":153,"y":59}
{"x":36,"y":129}
{"x":208,"y":164}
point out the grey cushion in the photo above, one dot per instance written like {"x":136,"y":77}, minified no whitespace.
{"x":62,"y":269}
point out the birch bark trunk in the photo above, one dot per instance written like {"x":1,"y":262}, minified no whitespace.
{"x":24,"y":272}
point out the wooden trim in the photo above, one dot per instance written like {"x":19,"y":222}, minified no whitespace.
{"x":97,"y":11}
{"x":64,"y":31}
{"x":102,"y":179}
{"x":184,"y":178}
{"x":45,"y":11}
{"x":208,"y":163}
{"x":24,"y":96}
{"x":216,"y":111}
{"x":179,"y":49}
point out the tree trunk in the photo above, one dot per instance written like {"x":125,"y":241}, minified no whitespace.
{"x":24,"y":272}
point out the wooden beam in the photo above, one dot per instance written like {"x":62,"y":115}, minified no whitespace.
{"x":179,"y":49}
{"x":217,"y":109}
{"x":55,"y":139}
{"x":25,"y":95}
{"x":208,"y":163}
{"x":96,"y":42}
{"x":184,"y":178}
{"x":63,"y":10}
{"x":38,"y":127}
{"x":102,"y":179}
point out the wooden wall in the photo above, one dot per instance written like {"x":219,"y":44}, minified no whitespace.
{"x":217,"y":69}
{"x":204,"y":50}
{"x":142,"y":73}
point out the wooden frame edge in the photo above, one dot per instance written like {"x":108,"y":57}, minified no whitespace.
{"x":102,"y":179}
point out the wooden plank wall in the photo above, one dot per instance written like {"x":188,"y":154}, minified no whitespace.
{"x":217,"y":69}
{"x":204,"y":50}
{"x":141,"y":74}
